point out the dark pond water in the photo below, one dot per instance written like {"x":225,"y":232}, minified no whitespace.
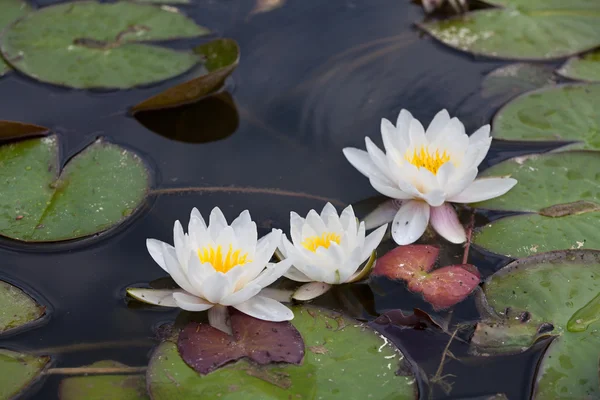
{"x":314,"y":77}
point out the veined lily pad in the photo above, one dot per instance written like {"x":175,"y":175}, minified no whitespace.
{"x":584,"y":68}
{"x":11,"y":10}
{"x":220,"y":57}
{"x":99,"y":188}
{"x":101,"y":387}
{"x":562,"y":189}
{"x":96,"y":45}
{"x":553,"y":288}
{"x":342,"y":358}
{"x":565,"y":113}
{"x":18,"y":371}
{"x":17,"y":308}
{"x":523,"y":29}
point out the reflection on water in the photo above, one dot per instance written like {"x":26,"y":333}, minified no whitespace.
{"x":314,"y":77}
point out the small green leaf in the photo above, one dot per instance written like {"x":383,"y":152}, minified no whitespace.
{"x":99,"y":188}
{"x":96,"y":45}
{"x":101,"y":387}
{"x":220,"y":56}
{"x":11,"y":10}
{"x":18,"y":371}
{"x":583,"y":68}
{"x":586,"y":315}
{"x":16,"y":308}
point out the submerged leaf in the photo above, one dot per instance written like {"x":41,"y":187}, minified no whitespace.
{"x":18,"y":371}
{"x":87,"y":44}
{"x":523,"y":29}
{"x":220,"y":56}
{"x":98,"y":189}
{"x":583,"y":68}
{"x":10,"y":130}
{"x":343,"y":357}
{"x":205,"y":348}
{"x":17,"y":308}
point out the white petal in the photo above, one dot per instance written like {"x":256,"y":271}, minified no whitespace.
{"x":484,"y":189}
{"x":392,"y":142}
{"x":157,"y":297}
{"x":362,"y":162}
{"x":215,"y":287}
{"x":218,"y":317}
{"x":437,"y":124}
{"x":196,"y":214}
{"x":348,"y":220}
{"x":417,"y":134}
{"x":410,"y":222}
{"x":383,"y":214}
{"x":266,"y":309}
{"x":197,"y":230}
{"x":155,"y":249}
{"x":176,"y":271}
{"x":310,"y":290}
{"x":180,"y":244}
{"x":435,"y":198}
{"x":329,"y":212}
{"x":371,"y":242}
{"x":198,"y":272}
{"x":241,"y":295}
{"x":456,"y":186}
{"x":191,"y":303}
{"x":294,"y":274}
{"x":266,"y":246}
{"x":296,"y":224}
{"x":403,"y":126}
{"x":216,"y":223}
{"x":272,"y":273}
{"x":316,"y":222}
{"x":226,"y":238}
{"x":377,"y":156}
{"x":444,"y":174}
{"x":445,"y":221}
{"x":281,"y":295}
{"x":388,"y":190}
{"x":245,"y":231}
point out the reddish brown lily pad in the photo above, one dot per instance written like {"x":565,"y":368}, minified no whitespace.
{"x":205,"y":348}
{"x":442,"y":288}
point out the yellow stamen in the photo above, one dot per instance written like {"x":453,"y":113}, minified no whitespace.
{"x":427,"y":160}
{"x":314,"y":242}
{"x":220,"y":262}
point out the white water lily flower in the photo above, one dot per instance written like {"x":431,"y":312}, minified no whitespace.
{"x":327,"y":249}
{"x":219,"y":265}
{"x":425,"y":171}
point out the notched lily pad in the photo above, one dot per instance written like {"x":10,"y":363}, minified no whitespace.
{"x":98,"y":189}
{"x":101,"y":387}
{"x":220,"y":57}
{"x":87,"y":44}
{"x":442,"y":288}
{"x":18,"y":371}
{"x":583,"y":68}
{"x":342,"y":357}
{"x":205,"y":348}
{"x":11,"y":11}
{"x":17,"y":309}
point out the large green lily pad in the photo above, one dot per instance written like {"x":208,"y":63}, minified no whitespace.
{"x":17,"y":308}
{"x":11,"y":10}
{"x":584,"y":68}
{"x":96,"y":45}
{"x":102,"y":387}
{"x":561,"y":289}
{"x":563,"y":113}
{"x":523,"y":29}
{"x":342,"y":359}
{"x":562,"y":189}
{"x":99,"y":188}
{"x":18,"y":371}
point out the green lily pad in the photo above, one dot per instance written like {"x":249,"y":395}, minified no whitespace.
{"x":523,"y":29}
{"x":18,"y":371}
{"x":220,"y":56}
{"x":553,"y":288}
{"x":514,"y":79}
{"x":343,"y":358}
{"x":562,"y":189}
{"x":98,"y":189}
{"x":101,"y":387}
{"x":96,"y":45}
{"x":11,"y":10}
{"x":584,"y":68}
{"x":17,"y":308}
{"x":565,"y":113}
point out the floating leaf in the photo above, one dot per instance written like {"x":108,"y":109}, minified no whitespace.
{"x":443,"y":287}
{"x":17,"y":308}
{"x":205,"y":348}
{"x":583,"y":68}
{"x":343,"y":358}
{"x":11,"y":10}
{"x":209,"y":119}
{"x":552,"y":288}
{"x":523,"y":29}
{"x":507,"y":336}
{"x":514,"y":79}
{"x":220,"y":57}
{"x":10,"y":130}
{"x":101,"y":387}
{"x":564,"y":113}
{"x":551,"y":185}
{"x":18,"y":371}
{"x":98,"y":189}
{"x":96,"y":45}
